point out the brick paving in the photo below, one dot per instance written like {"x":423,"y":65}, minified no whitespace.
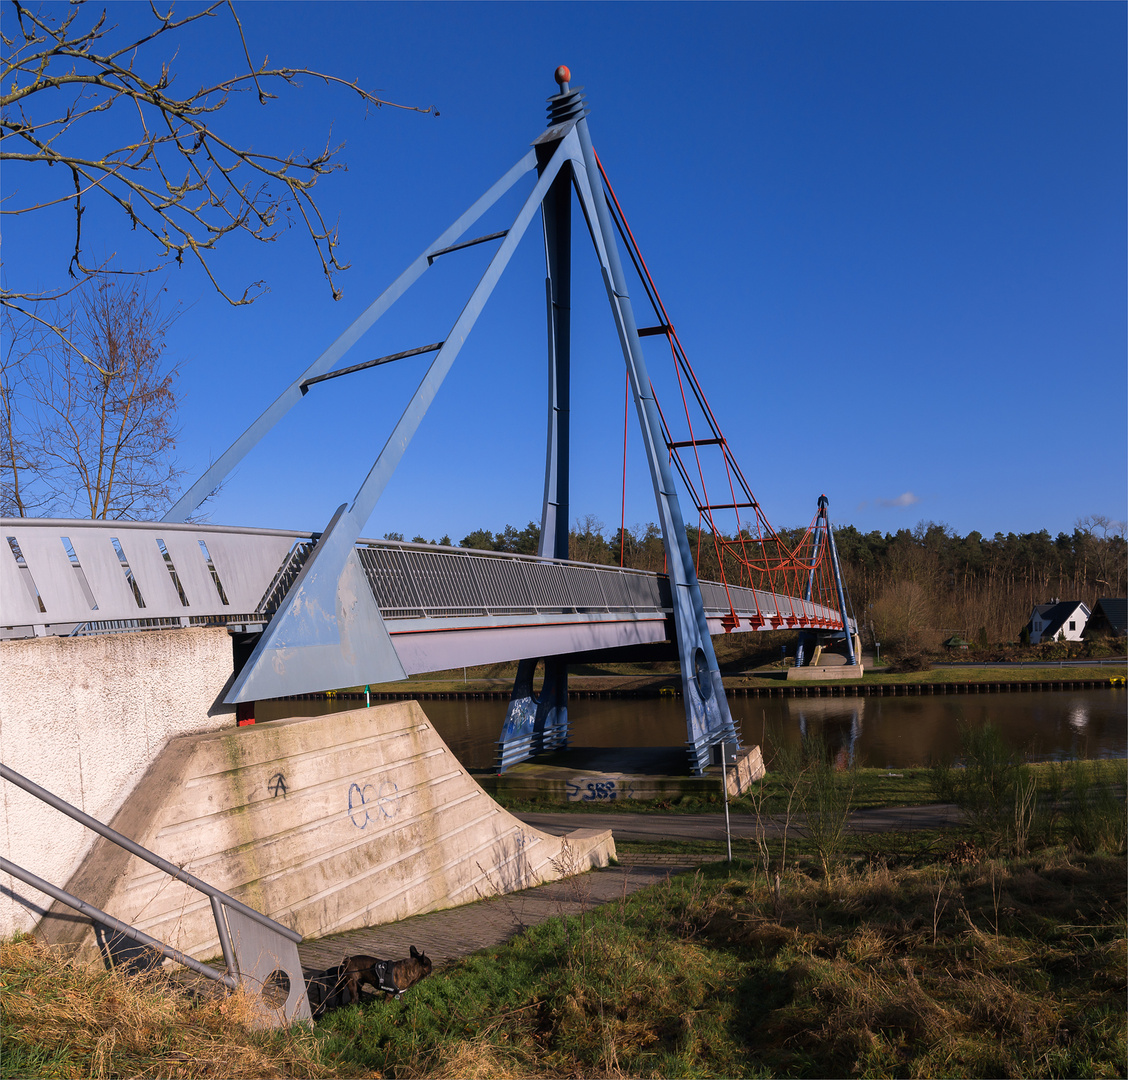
{"x":454,"y":932}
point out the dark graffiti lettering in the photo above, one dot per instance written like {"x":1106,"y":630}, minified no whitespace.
{"x":277,"y":785}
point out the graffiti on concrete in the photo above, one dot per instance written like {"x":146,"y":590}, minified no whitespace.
{"x":589,"y":789}
{"x":277,"y":785}
{"x":372,"y":803}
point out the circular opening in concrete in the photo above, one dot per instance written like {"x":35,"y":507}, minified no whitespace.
{"x":276,"y":988}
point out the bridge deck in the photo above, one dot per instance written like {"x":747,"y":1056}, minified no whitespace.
{"x":444,"y":607}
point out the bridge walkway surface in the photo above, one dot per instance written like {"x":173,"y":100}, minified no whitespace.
{"x":447,"y":935}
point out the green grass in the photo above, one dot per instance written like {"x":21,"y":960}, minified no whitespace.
{"x":988,"y":968}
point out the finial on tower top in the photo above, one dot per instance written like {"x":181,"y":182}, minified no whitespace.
{"x":563,"y":76}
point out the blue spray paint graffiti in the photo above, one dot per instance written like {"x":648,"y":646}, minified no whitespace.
{"x":583,"y":789}
{"x":369,"y":803}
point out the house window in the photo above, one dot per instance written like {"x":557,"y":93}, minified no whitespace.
{"x":1072,"y":625}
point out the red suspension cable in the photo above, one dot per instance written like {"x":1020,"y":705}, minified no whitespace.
{"x":772,"y":562}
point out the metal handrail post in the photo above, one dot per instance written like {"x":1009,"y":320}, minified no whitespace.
{"x":144,"y":853}
{"x":224,"y":932}
{"x":229,"y":980}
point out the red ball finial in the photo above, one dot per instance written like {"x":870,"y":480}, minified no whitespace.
{"x":563,"y":75}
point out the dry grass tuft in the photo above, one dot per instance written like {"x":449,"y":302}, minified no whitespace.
{"x":65,"y":1021}
{"x":480,"y":1060}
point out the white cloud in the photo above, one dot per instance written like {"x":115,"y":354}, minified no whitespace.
{"x":906,"y":498}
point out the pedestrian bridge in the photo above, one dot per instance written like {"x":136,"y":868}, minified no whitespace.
{"x":336,"y":610}
{"x":443,"y":607}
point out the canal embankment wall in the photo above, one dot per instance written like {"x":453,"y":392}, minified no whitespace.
{"x":782,"y":690}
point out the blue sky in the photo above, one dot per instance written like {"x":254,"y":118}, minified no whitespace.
{"x":891,"y":237}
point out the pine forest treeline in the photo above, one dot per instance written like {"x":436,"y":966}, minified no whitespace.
{"x":909,"y":590}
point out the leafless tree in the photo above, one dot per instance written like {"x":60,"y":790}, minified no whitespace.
{"x":162,"y":160}
{"x":89,"y":416}
{"x":1101,"y":542}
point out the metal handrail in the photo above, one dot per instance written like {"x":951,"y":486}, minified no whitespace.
{"x":144,"y":853}
{"x":247,"y":956}
{"x":36,"y":882}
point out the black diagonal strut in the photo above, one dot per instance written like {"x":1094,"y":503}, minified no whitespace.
{"x":465,"y":244}
{"x":371,"y":363}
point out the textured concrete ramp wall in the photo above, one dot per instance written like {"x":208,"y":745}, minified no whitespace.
{"x":85,"y":717}
{"x":323,"y":823}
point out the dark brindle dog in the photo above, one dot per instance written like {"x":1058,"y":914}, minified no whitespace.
{"x":340,"y":985}
{"x":391,"y":976}
{"x":326,"y":990}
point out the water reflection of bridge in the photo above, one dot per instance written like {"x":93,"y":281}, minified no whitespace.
{"x":836,"y":722}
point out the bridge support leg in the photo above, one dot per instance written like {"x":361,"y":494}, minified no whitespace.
{"x":806,"y":638}
{"x":535,"y":724}
{"x":851,"y":655}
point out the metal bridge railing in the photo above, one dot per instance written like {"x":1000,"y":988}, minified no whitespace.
{"x":105,"y":577}
{"x":255,"y":948}
{"x":414,"y":582}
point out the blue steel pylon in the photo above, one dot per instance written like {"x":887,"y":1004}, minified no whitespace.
{"x":537,"y":723}
{"x":328,"y":630}
{"x":825,"y":534}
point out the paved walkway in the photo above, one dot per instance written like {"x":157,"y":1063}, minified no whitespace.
{"x":447,"y":935}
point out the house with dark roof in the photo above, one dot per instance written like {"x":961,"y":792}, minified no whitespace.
{"x":1059,"y":619}
{"x":1109,"y":618}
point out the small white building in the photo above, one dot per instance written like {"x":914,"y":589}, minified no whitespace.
{"x":1059,"y":619}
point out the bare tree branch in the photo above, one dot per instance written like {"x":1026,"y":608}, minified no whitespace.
{"x":175,"y":177}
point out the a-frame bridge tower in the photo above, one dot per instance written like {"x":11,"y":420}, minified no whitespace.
{"x":328,"y":631}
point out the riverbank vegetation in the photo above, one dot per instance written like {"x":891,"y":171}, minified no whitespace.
{"x":996,"y":948}
{"x":959,"y":965}
{"x":994,"y":968}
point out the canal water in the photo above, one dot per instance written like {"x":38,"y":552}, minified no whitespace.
{"x":882,"y":732}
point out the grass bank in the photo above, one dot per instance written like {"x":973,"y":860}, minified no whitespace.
{"x":1001,"y":968}
{"x":953,"y":965}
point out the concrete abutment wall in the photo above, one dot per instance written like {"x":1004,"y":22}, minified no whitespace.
{"x":85,"y":717}
{"x":323,"y":823}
